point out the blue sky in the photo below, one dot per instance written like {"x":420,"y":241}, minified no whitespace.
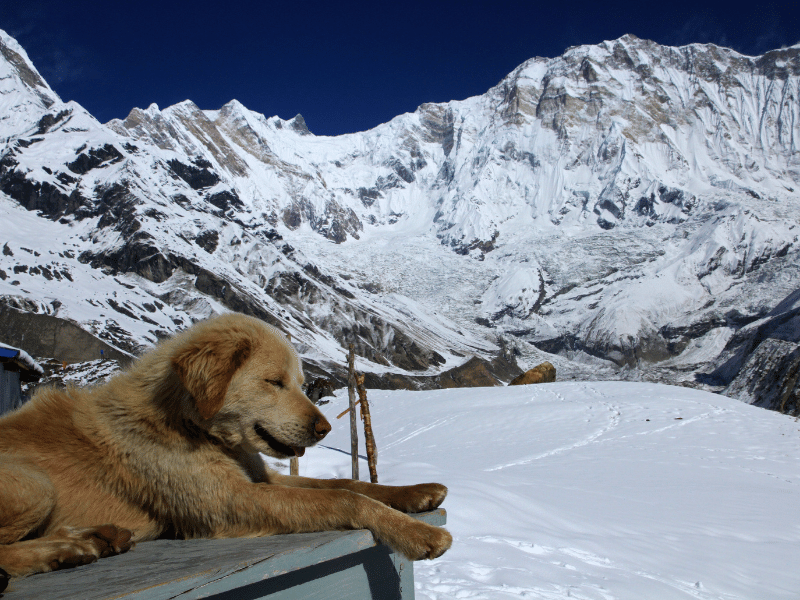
{"x":345,"y":66}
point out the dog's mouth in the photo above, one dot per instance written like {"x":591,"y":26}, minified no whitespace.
{"x":276,"y":445}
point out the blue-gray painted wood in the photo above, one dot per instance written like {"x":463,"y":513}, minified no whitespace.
{"x":311,"y":566}
{"x":10,"y":391}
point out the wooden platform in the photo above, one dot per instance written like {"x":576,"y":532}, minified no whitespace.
{"x":328,"y":565}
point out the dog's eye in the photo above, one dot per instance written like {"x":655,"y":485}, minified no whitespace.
{"x":276,"y":382}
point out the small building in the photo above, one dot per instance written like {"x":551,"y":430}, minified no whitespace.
{"x":16,"y":367}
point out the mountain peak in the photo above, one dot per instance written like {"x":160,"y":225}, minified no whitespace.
{"x":298,"y":123}
{"x":25,"y":96}
{"x":19,"y":63}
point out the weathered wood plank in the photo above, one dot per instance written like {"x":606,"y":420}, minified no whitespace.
{"x":313,"y":565}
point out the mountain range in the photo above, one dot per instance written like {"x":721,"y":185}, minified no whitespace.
{"x":626,"y":210}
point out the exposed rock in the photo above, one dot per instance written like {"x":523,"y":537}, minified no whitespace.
{"x":232,"y":297}
{"x":761,"y":362}
{"x":473,"y":373}
{"x":86,"y":161}
{"x":208,"y":240}
{"x":61,"y":373}
{"x":39,"y":196}
{"x":543,"y":373}
{"x":47,"y":121}
{"x":197,"y":177}
{"x":225,"y":200}
{"x":319,"y":388}
{"x":648,"y":347}
{"x":438,"y":122}
{"x":28,"y":75}
{"x":781,"y":323}
{"x":299,"y":125}
{"x":769,"y":378}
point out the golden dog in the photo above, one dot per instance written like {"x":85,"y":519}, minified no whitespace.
{"x":171,"y":447}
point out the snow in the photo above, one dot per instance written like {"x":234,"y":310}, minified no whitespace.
{"x":599,"y":490}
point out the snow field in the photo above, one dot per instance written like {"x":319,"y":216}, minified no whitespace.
{"x":599,"y":490}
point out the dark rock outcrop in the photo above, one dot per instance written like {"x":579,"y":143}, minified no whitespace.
{"x":318,"y":389}
{"x":198,"y":177}
{"x":761,"y":362}
{"x":95,"y":157}
{"x":769,"y":377}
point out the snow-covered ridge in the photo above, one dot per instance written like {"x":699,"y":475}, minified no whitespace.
{"x":624,"y":204}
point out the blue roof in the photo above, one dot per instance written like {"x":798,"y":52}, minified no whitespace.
{"x":8,"y":353}
{"x":22,"y":358}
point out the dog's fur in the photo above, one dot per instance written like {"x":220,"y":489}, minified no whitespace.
{"x":171,"y":447}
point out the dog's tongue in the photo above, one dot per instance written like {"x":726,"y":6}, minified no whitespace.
{"x":298,"y":451}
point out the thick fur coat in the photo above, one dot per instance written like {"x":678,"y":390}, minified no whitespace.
{"x":171,"y":447}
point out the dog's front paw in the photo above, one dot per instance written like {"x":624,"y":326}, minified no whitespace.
{"x":417,"y":498}
{"x":421,"y":541}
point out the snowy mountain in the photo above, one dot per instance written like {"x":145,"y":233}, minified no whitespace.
{"x":625,"y":205}
{"x":592,"y":490}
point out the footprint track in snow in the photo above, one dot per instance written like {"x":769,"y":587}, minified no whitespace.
{"x":556,"y":556}
{"x":420,"y":430}
{"x":613,"y":423}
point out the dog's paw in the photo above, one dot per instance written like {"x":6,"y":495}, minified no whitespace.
{"x":110,"y":539}
{"x":417,"y":498}
{"x":64,"y":548}
{"x":419,"y":541}
{"x":73,"y":546}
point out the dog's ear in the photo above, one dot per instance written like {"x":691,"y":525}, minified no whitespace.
{"x":206,"y":364}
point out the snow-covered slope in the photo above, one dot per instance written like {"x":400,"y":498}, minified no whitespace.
{"x":625,"y":204}
{"x":598,"y":490}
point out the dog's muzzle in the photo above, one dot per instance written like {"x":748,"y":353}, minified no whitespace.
{"x":320,"y":430}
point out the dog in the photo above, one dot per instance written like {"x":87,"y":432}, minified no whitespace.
{"x":171,"y":448}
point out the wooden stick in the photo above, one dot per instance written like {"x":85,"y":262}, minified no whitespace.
{"x":345,"y":411}
{"x":294,"y":462}
{"x":372,"y":450}
{"x":351,"y":391}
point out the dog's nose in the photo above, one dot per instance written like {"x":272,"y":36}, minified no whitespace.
{"x":321,"y":428}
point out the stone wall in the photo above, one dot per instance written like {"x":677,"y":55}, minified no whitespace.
{"x":48,"y":336}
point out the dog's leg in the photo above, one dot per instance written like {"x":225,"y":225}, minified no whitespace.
{"x":66,"y":547}
{"x":407,"y":498}
{"x":27,"y":498}
{"x":268,"y":509}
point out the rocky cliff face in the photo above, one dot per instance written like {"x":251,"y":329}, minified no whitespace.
{"x":761,"y":362}
{"x":623,"y":205}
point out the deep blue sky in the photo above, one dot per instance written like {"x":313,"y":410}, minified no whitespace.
{"x":345,"y":66}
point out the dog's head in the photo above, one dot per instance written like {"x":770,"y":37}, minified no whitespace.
{"x":245,"y":382}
